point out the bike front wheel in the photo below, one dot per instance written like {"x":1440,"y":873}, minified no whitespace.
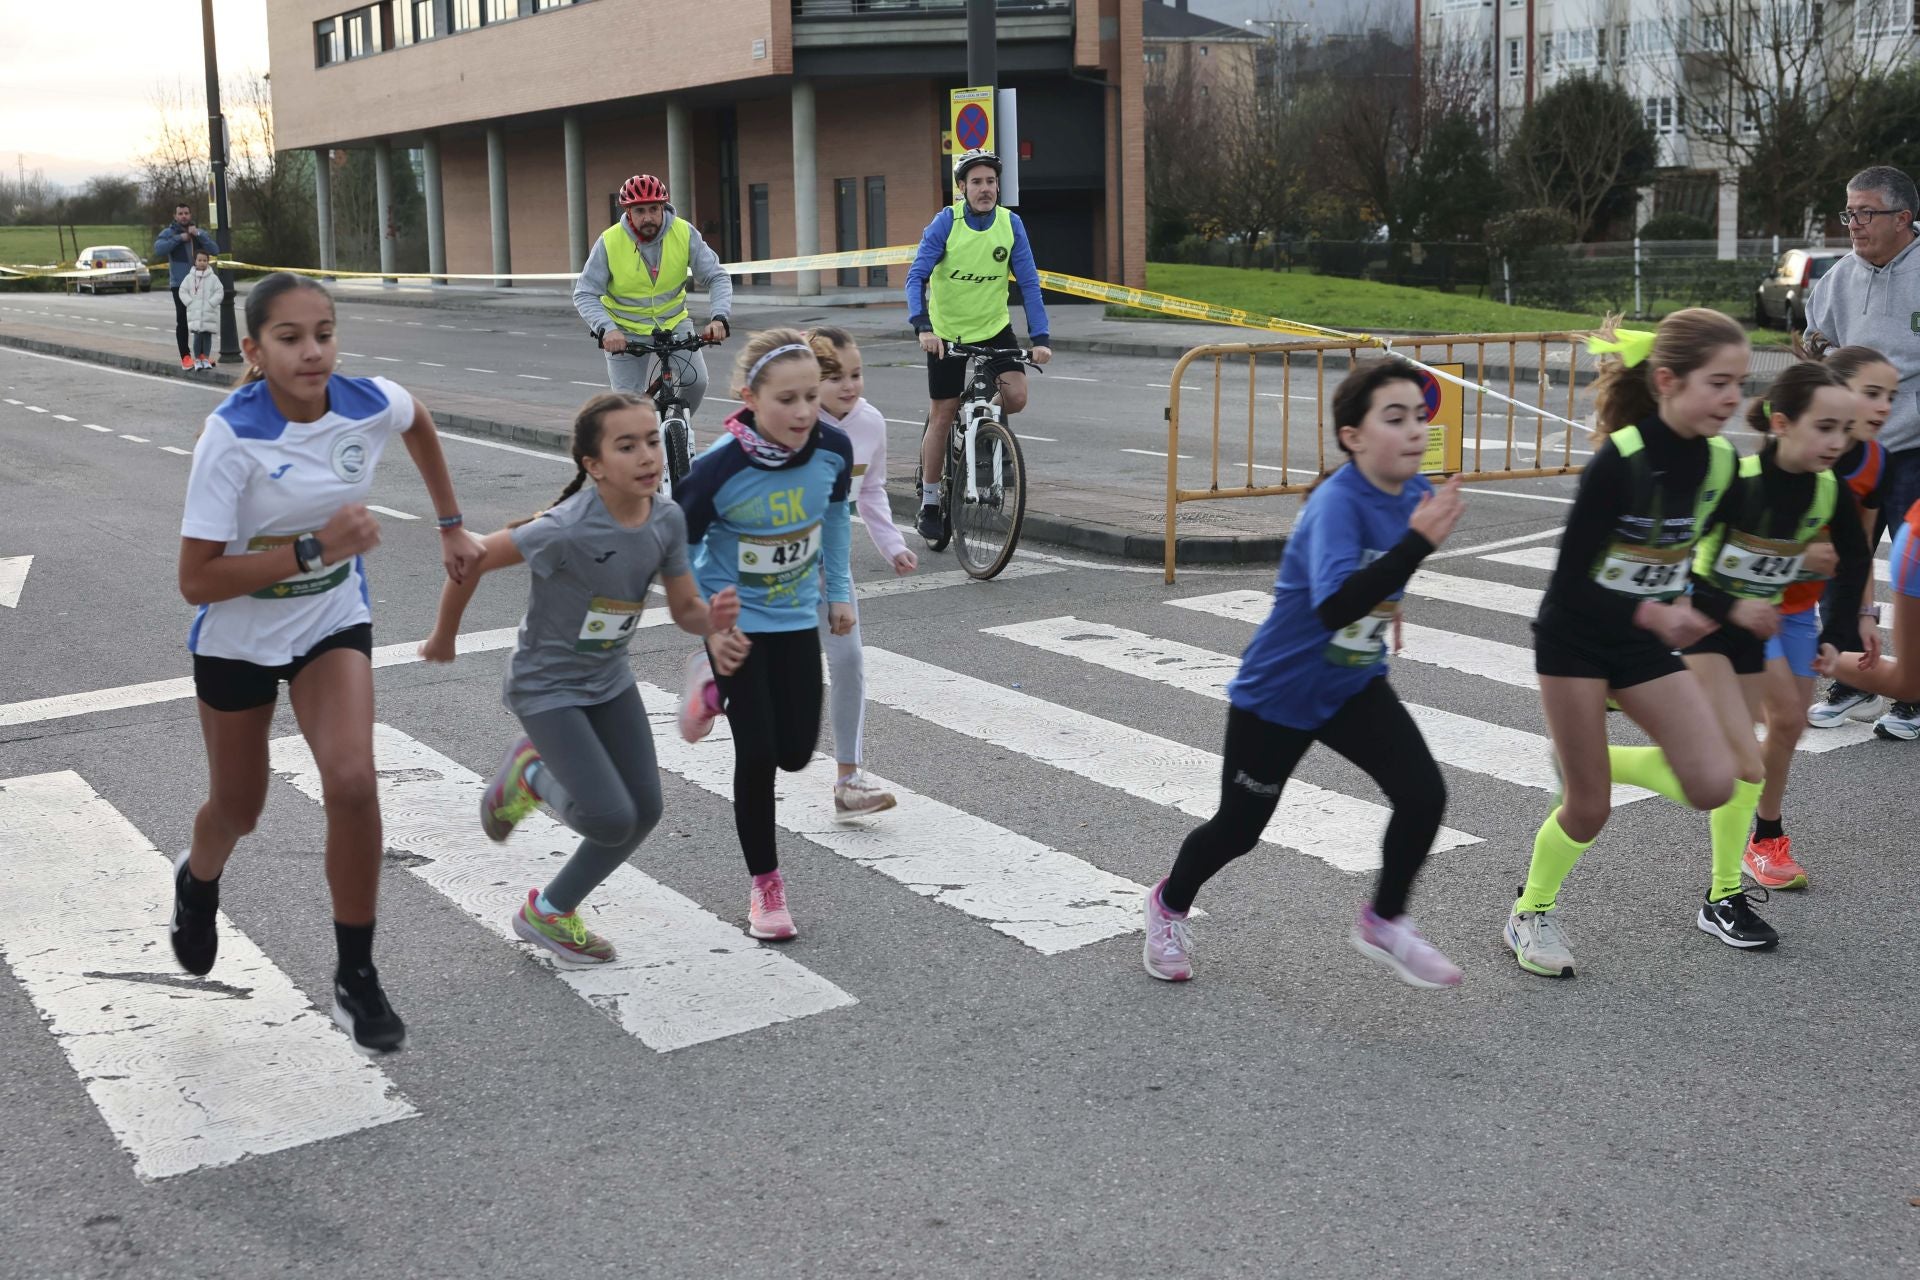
{"x":677,"y":438}
{"x":986,"y":523}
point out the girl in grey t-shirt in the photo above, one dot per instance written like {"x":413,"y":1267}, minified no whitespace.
{"x":587,"y":751}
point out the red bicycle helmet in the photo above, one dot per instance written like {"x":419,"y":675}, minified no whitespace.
{"x":642,"y":188}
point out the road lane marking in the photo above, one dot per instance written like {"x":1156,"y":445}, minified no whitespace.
{"x":187,"y":1073}
{"x":1476,"y":746}
{"x":682,"y":975}
{"x":1337,"y":829}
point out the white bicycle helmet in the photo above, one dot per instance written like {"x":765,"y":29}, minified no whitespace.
{"x":968,"y":159}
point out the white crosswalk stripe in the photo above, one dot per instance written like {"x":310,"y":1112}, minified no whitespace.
{"x":188,"y":1073}
{"x":1337,"y":829}
{"x":682,"y":976}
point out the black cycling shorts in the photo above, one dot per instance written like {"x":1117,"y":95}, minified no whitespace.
{"x":947,"y":375}
{"x":234,"y":684}
{"x":1622,"y":661}
{"x":1746,"y":651}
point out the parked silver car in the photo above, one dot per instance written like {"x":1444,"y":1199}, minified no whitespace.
{"x":1780,"y":301}
{"x":111,"y":266}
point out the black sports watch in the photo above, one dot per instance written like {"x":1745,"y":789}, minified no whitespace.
{"x":308,"y":554}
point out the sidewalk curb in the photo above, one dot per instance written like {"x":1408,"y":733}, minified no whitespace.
{"x":1102,"y":539}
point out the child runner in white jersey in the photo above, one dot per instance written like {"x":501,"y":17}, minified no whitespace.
{"x":843,"y":405}
{"x":587,"y":751}
{"x":270,"y":550}
{"x":767,"y":510}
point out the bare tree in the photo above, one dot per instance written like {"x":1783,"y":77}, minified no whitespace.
{"x":1183,"y":152}
{"x":1769,"y":86}
{"x":173,"y":169}
{"x":272,"y":191}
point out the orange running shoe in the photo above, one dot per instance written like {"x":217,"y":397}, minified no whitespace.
{"x":1770,"y":862}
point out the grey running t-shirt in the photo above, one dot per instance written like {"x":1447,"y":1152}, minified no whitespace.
{"x":590,"y":580}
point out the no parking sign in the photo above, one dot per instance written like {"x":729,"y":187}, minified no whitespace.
{"x":970,"y":115}
{"x":1445,"y":421}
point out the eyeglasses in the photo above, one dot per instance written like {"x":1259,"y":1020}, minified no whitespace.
{"x":1865,"y":217}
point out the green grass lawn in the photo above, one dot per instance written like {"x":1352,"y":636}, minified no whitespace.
{"x":40,"y":246}
{"x":1361,"y":306}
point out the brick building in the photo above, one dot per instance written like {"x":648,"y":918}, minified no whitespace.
{"x":528,"y":114}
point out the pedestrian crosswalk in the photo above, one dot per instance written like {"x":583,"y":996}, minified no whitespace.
{"x":189,"y":1074}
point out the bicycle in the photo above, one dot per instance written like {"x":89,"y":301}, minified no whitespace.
{"x":983,"y":493}
{"x":676,"y":418}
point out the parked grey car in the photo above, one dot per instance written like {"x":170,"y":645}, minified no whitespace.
{"x":1780,"y":301}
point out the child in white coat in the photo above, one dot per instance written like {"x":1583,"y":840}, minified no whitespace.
{"x":200,"y":293}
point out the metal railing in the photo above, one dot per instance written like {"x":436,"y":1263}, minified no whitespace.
{"x":1540,"y":369}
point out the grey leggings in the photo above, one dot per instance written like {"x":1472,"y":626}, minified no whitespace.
{"x":597,"y":772}
{"x":847,"y":698}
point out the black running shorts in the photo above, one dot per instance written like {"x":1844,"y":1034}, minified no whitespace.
{"x":232,"y":684}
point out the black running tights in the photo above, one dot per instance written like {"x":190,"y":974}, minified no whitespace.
{"x":773,"y":708}
{"x":1373,"y":730}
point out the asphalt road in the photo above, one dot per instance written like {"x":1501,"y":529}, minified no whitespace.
{"x":988,"y":1102}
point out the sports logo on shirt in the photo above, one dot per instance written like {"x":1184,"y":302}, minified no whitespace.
{"x":279,"y":471}
{"x":350,"y":458}
{"x":1000,"y":255}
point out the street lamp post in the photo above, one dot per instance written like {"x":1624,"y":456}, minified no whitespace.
{"x":217,"y":161}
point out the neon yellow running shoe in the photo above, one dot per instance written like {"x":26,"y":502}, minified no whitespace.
{"x":508,"y":799}
{"x":564,"y":935}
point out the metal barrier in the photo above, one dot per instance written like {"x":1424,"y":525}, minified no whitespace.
{"x":1510,"y":363}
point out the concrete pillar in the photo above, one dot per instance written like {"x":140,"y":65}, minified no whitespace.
{"x":806,"y":187}
{"x":497,"y":205}
{"x":323,"y":203}
{"x":680,"y":158}
{"x":576,"y":148}
{"x":1729,"y":214}
{"x":436,"y":208}
{"x":383,"y":203}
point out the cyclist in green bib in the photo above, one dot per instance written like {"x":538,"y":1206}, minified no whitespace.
{"x":957,"y":292}
{"x":635,"y":281}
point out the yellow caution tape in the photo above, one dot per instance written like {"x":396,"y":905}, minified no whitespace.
{"x":1187,"y":308}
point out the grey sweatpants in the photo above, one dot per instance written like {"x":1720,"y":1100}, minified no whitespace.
{"x":847,"y":692}
{"x":597,"y":771}
{"x":632,"y":374}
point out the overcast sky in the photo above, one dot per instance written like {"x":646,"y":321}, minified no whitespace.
{"x":78,"y":105}
{"x":72,"y":92}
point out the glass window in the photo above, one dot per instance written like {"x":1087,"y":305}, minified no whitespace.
{"x":1156,"y":55}
{"x":501,"y":10}
{"x":877,"y":227}
{"x":326,"y":43}
{"x":466,"y":14}
{"x":1513,"y":57}
{"x":759,"y":232}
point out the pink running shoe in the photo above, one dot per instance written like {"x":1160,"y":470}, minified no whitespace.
{"x":699,"y":699}
{"x":1397,"y":944}
{"x":1169,"y":938}
{"x":767,"y":914}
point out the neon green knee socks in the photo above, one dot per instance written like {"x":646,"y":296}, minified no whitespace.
{"x":1646,"y":767}
{"x":1730,"y":824}
{"x":1554,"y":853}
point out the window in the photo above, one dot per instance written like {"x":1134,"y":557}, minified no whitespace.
{"x":1750,"y":116}
{"x":1513,"y":58}
{"x":326,"y":43}
{"x":414,"y":21}
{"x":1205,"y":91}
{"x":1659,"y":115}
{"x":466,"y":14}
{"x":877,"y":227}
{"x":541,"y":6}
{"x":1546,"y":54}
{"x":1203,"y":51}
{"x":1156,"y":55}
{"x":1598,"y":43}
{"x":846,"y":227}
{"x":759,"y":233}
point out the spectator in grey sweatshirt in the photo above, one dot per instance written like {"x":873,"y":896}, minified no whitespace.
{"x":1871,"y":298}
{"x":177,"y":242}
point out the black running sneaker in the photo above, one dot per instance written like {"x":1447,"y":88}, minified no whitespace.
{"x":1733,"y":921}
{"x":192,"y":933}
{"x":931,"y":525}
{"x":361,"y":1010}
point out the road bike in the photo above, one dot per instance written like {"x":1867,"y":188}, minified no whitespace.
{"x":676,"y":416}
{"x":983,"y":493}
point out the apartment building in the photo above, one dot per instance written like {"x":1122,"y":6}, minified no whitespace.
{"x":1222,"y":60}
{"x":782,"y":127}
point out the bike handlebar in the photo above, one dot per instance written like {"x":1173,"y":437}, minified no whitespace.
{"x":661,"y":343}
{"x":1022,"y":355}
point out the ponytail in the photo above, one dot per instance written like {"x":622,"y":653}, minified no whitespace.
{"x":588,"y":426}
{"x":1791,"y":394}
{"x":1684,"y":341}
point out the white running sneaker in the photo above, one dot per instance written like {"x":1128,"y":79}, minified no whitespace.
{"x":1901,"y":723}
{"x":856,"y":796}
{"x":1843,"y":703}
{"x":1538,"y":942}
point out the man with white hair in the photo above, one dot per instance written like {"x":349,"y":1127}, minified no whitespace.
{"x":1871,"y":298}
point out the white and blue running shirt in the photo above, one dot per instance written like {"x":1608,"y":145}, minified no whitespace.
{"x":260,"y":482}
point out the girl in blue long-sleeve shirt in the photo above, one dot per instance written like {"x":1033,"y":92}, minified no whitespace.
{"x":1316,"y":672}
{"x":768,"y":514}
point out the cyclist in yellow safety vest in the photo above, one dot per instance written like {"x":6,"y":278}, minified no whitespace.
{"x":635,"y":281}
{"x":957,"y":292}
